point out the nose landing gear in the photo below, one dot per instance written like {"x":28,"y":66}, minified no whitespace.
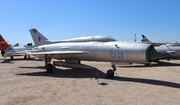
{"x":110,"y":72}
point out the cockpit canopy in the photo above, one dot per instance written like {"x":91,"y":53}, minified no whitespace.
{"x":91,"y":38}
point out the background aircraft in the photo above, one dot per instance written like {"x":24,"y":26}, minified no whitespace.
{"x":146,"y":40}
{"x":172,"y":48}
{"x":16,"y":50}
{"x":114,"y":51}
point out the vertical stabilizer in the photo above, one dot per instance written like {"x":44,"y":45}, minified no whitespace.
{"x":144,"y":39}
{"x":38,"y":38}
{"x":3,"y":44}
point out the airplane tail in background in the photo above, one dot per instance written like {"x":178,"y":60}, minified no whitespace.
{"x":144,"y":39}
{"x":3,"y":44}
{"x":38,"y":38}
{"x":16,"y":45}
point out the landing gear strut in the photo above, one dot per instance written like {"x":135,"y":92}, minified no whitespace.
{"x":48,"y":65}
{"x":25,"y":57}
{"x":110,"y":72}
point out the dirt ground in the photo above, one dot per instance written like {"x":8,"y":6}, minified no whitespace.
{"x":24,"y":82}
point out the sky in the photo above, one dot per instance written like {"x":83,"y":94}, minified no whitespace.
{"x":159,"y":20}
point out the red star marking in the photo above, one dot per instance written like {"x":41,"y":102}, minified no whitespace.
{"x":39,"y":39}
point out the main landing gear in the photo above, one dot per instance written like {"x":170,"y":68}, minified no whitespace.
{"x":49,"y":68}
{"x":27,"y":56}
{"x":110,"y":72}
{"x":48,"y":65}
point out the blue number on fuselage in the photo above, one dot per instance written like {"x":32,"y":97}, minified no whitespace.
{"x":112,"y":54}
{"x":119,"y":54}
{"x":116,"y":54}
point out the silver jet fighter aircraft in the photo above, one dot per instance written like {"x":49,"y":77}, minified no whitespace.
{"x":114,"y":51}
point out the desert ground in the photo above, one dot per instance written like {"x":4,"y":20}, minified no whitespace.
{"x":25,"y":82}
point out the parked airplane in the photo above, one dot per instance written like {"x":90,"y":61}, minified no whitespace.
{"x":172,"y":48}
{"x":146,"y":40}
{"x":41,"y":40}
{"x":74,"y":52}
{"x":16,"y":50}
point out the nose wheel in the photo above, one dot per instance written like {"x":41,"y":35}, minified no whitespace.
{"x":110,"y":72}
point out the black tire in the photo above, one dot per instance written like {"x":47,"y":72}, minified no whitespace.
{"x":12,"y":57}
{"x":2,"y":52}
{"x":49,"y":68}
{"x":110,"y":73}
{"x":25,"y":57}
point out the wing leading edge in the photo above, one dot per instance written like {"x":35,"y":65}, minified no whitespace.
{"x":59,"y":52}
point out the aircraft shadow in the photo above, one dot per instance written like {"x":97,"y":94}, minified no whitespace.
{"x":68,"y":73}
{"x":37,"y":67}
{"x":159,"y":64}
{"x":74,"y":73}
{"x":148,"y":81}
{"x":10,"y":61}
{"x":7,"y":61}
{"x":28,"y":59}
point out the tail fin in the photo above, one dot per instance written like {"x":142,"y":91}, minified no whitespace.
{"x":3,"y":44}
{"x":16,"y":45}
{"x":38,"y":38}
{"x":144,"y":39}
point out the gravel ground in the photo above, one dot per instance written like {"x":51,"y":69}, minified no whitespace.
{"x":24,"y":82}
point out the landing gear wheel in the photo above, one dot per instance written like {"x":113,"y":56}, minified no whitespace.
{"x":12,"y":57}
{"x":25,"y":57}
{"x":110,"y":73}
{"x":49,"y":68}
{"x":2,"y":52}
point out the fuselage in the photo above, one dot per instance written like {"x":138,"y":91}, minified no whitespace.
{"x":17,"y":51}
{"x":115,"y":51}
{"x":170,"y":47}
